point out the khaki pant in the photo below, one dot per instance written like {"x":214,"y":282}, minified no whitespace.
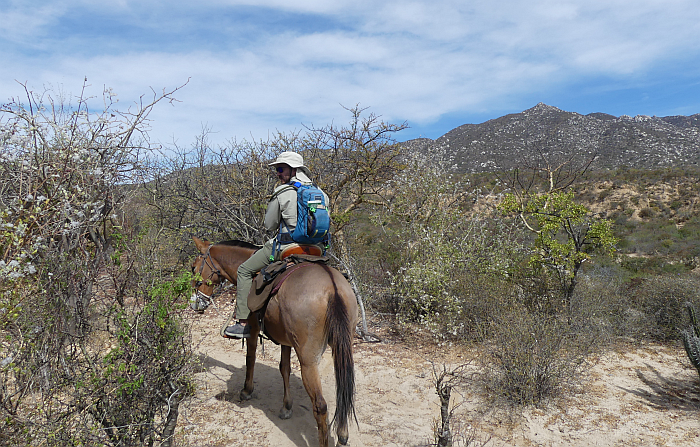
{"x":246,"y":273}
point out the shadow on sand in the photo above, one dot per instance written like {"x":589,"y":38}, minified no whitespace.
{"x":679,"y":393}
{"x":301,"y":428}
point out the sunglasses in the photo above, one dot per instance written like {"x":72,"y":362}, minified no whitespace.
{"x":279,"y":169}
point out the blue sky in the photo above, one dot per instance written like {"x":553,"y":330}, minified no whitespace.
{"x":255,"y":67}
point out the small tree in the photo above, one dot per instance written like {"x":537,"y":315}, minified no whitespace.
{"x":565,"y":232}
{"x":352,"y":164}
{"x":219,"y":192}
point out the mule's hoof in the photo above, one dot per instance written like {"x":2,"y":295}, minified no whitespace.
{"x":343,"y":441}
{"x":246,"y":395}
{"x":285,"y":414}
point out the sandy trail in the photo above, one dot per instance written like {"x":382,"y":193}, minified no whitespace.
{"x":642,"y":395}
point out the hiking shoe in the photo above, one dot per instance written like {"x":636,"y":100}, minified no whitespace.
{"x":237,"y":331}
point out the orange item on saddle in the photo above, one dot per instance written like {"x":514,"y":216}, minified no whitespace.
{"x":296,"y":249}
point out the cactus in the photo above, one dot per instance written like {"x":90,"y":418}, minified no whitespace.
{"x":691,"y":338}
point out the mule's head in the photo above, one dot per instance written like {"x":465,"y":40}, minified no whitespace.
{"x":205,"y":276}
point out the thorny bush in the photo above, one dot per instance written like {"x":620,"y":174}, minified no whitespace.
{"x":82,"y":338}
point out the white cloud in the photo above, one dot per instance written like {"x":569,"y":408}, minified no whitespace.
{"x":21,"y":22}
{"x":296,"y":62}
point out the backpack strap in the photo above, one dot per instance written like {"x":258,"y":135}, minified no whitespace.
{"x":278,"y":240}
{"x":291,"y":185}
{"x":287,"y":187}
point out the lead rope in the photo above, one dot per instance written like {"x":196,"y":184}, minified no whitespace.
{"x":225,"y":325}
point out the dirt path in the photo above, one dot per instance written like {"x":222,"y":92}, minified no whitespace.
{"x":646,"y":396}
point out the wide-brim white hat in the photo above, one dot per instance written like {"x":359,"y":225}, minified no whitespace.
{"x":293,"y":160}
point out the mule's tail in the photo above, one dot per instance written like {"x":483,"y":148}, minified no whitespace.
{"x":339,"y":330}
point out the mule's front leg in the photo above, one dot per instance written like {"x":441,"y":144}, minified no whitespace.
{"x":285,"y":370}
{"x":252,"y":344}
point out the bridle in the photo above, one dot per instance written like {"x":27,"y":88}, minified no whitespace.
{"x":206,"y":259}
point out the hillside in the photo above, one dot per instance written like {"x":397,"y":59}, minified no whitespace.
{"x":640,"y":142}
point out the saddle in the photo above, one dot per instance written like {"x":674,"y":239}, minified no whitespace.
{"x":270,"y":279}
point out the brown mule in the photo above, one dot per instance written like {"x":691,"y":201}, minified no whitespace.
{"x":314,"y":307}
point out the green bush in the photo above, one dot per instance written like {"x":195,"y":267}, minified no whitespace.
{"x":147,"y":372}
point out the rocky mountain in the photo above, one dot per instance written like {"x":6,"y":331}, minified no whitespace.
{"x":546,"y":132}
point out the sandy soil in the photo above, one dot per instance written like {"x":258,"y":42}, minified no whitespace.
{"x":637,"y":395}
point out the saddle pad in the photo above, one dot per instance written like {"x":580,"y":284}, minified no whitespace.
{"x":298,"y":258}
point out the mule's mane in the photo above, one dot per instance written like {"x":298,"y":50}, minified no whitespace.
{"x":237,"y":243}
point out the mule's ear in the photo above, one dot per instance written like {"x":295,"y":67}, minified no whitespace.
{"x":202,"y":246}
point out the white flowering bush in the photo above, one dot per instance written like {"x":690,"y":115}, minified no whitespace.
{"x":59,"y":166}
{"x":453,"y":259}
{"x":71,"y":365}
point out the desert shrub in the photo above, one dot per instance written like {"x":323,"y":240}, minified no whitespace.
{"x":646,"y":213}
{"x":623,"y":246}
{"x":537,"y":289}
{"x":454,"y":265}
{"x":431,"y":289}
{"x":604,"y":194}
{"x":660,"y":238}
{"x":483,"y":298}
{"x":537,"y":352}
{"x":601,"y":305}
{"x":643,"y":265}
{"x":691,"y":229}
{"x":658,"y":303}
{"x":533,"y":357}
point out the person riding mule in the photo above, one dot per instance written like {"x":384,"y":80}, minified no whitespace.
{"x":281,"y":215}
{"x":313,"y":308}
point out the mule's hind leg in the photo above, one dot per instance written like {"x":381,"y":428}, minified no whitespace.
{"x":312,"y":383}
{"x":285,"y":370}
